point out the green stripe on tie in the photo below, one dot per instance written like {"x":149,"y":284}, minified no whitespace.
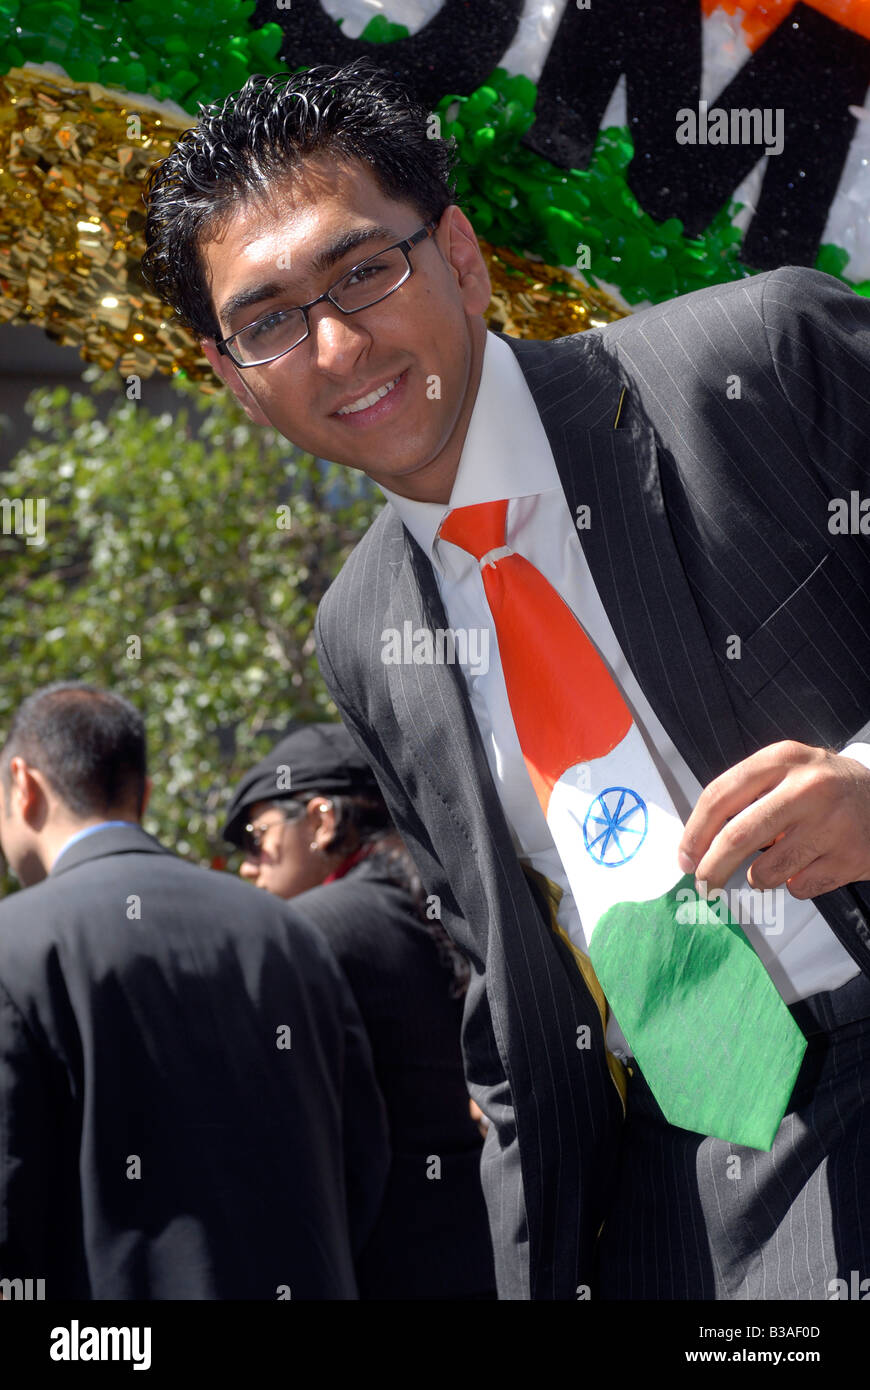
{"x":662,"y":965}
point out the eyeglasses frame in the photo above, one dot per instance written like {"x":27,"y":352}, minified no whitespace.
{"x":405,"y":245}
{"x":250,"y":830}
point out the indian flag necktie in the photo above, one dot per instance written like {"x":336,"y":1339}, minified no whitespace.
{"x":717,"y":1045}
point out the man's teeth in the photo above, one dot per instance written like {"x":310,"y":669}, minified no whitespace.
{"x":365,"y":401}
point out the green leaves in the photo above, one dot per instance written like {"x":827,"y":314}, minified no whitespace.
{"x":201,"y":541}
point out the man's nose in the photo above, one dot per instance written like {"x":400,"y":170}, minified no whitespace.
{"x":337,"y":337}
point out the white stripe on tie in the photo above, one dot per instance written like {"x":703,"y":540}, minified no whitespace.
{"x":491,"y":556}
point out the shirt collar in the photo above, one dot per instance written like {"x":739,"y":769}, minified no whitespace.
{"x":506,"y":451}
{"x":88,"y":830}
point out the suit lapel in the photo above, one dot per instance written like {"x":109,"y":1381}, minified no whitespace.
{"x":442,"y":716}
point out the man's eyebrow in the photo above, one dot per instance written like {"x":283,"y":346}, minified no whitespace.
{"x":323,"y":261}
{"x":348,"y":242}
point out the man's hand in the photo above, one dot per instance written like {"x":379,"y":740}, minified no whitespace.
{"x":478,"y":1116}
{"x":807,"y":808}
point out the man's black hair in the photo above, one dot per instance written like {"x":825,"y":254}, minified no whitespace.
{"x":241,"y":149}
{"x":88,"y":743}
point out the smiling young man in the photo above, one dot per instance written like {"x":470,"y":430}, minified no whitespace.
{"x":297,"y":229}
{"x":638,"y":518}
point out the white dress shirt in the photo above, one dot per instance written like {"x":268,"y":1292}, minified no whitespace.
{"x":507,"y":454}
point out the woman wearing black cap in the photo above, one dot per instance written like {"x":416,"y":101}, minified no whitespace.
{"x":314,"y":827}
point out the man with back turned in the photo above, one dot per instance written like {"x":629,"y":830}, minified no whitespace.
{"x":187,"y":1104}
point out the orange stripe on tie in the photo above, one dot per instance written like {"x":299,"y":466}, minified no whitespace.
{"x":566,"y":711}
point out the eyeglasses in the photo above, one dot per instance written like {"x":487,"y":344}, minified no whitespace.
{"x":281,"y":330}
{"x":253,"y":835}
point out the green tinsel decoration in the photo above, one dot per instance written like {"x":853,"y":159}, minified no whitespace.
{"x":586,"y":219}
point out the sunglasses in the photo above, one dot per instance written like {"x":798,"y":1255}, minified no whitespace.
{"x":254,"y":833}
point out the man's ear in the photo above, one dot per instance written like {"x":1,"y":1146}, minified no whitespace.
{"x":232,"y":378}
{"x":462,"y":252}
{"x":28,"y":783}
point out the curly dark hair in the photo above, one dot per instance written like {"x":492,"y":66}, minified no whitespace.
{"x":240,"y":149}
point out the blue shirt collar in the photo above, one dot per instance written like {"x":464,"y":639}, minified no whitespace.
{"x":89,"y":830}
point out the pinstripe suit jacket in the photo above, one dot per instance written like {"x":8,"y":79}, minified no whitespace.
{"x":747,"y":409}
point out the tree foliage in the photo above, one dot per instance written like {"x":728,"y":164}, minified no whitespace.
{"x":205,"y":537}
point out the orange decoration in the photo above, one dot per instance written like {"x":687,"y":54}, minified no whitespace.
{"x":761,"y":17}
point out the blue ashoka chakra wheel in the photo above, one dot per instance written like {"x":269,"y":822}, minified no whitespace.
{"x":615,"y":826}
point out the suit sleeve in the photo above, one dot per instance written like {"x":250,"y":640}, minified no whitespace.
{"x":26,"y":1149}
{"x":366,"y":1133}
{"x":818,"y":333}
{"x":364,"y":1127}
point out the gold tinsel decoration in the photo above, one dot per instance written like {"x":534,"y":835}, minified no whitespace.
{"x":74,"y":158}
{"x":525,"y":305}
